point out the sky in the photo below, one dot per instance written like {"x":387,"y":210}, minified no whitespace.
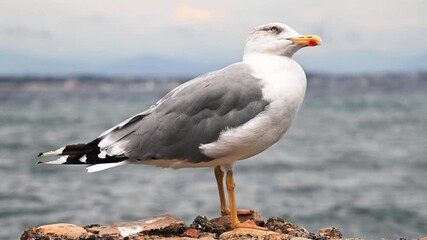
{"x":61,"y":36}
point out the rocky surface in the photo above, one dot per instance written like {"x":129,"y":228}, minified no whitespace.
{"x":169,"y":227}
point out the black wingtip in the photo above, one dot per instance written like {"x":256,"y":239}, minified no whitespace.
{"x":40,"y":162}
{"x":40,"y":154}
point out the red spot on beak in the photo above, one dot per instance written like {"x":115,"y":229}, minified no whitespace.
{"x":312,"y":43}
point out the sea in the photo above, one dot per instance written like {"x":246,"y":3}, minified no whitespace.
{"x":355,"y":158}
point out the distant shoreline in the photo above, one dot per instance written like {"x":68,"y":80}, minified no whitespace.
{"x":319,"y":81}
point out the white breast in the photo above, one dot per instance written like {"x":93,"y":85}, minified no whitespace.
{"x":284,"y":87}
{"x":284,"y":84}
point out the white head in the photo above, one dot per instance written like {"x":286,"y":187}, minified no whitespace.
{"x":278,"y":39}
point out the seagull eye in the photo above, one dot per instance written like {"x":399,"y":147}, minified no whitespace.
{"x":274,"y":29}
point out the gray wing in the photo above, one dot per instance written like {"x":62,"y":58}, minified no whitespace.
{"x":192,"y":114}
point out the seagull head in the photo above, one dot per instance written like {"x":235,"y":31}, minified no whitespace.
{"x":278,"y":39}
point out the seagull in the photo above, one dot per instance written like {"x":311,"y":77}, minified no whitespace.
{"x":213,"y":120}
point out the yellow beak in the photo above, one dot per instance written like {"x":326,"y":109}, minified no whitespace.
{"x":307,"y":40}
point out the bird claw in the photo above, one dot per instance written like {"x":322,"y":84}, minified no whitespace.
{"x":250,"y":224}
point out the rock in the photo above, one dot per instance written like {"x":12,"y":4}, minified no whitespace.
{"x":31,"y":234}
{"x":62,"y":229}
{"x":218,"y":225}
{"x":204,"y":225}
{"x":330,"y":233}
{"x":279,"y":225}
{"x":104,"y":230}
{"x":223,"y":223}
{"x":163,"y":225}
{"x":251,"y":214}
{"x":208,"y":236}
{"x":191,"y":233}
{"x":168,"y":227}
{"x":247,"y":233}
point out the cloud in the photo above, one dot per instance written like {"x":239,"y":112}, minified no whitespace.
{"x":187,"y":13}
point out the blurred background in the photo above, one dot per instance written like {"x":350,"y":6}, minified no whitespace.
{"x":355,"y":158}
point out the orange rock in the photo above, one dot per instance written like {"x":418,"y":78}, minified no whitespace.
{"x":62,"y":229}
{"x":191,"y":233}
{"x":247,"y":233}
{"x":250,"y":214}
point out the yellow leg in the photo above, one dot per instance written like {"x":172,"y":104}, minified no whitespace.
{"x":234,"y":219}
{"x":219,"y":175}
{"x":229,"y":181}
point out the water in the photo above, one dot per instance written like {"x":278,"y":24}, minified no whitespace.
{"x":356,"y":159}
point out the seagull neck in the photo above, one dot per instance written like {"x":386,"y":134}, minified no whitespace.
{"x":267,"y":62}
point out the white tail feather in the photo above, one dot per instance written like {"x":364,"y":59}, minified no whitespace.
{"x":53,"y":153}
{"x":103,"y":166}
{"x":60,"y":160}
